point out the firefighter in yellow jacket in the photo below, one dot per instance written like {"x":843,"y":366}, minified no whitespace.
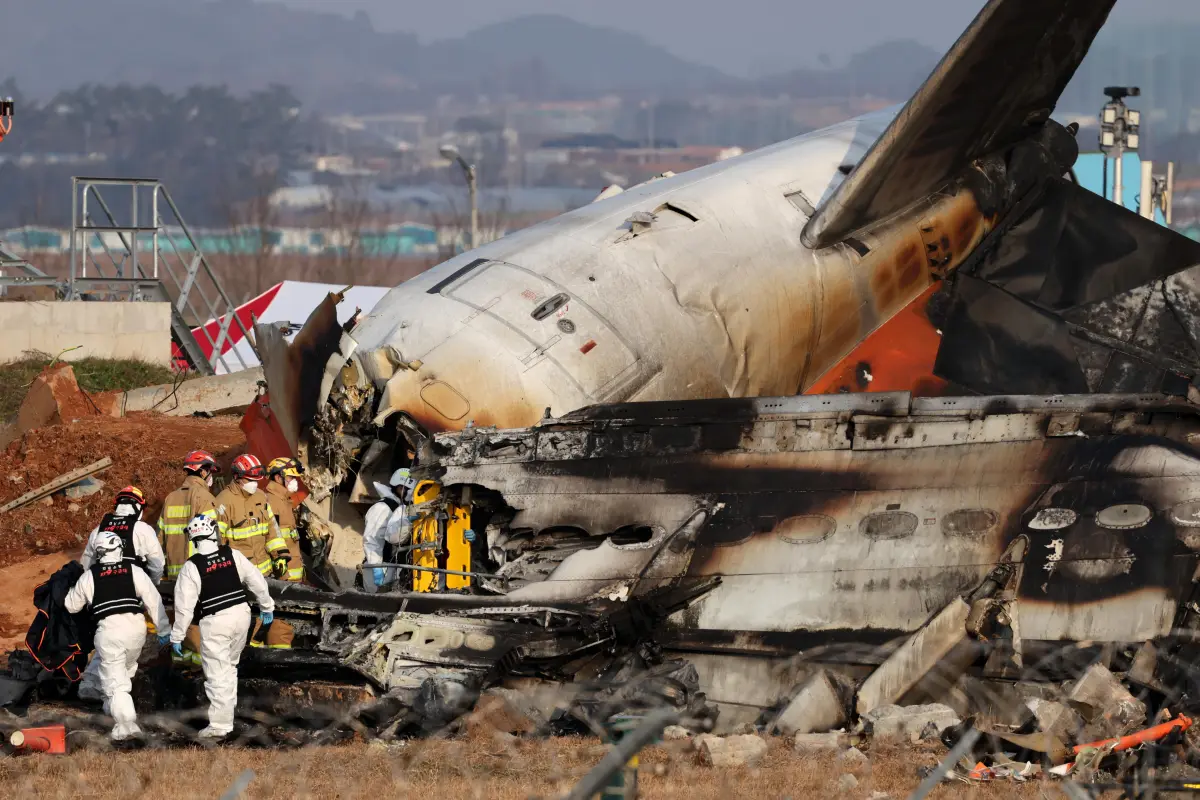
{"x":194,"y":498}
{"x":247,"y":524}
{"x":284,"y":477}
{"x":244,"y":518}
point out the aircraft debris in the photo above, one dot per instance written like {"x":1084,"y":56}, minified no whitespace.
{"x":905,"y":723}
{"x":743,"y":750}
{"x":817,"y":706}
{"x":58,"y":484}
{"x":1107,"y":706}
{"x":816,"y":742}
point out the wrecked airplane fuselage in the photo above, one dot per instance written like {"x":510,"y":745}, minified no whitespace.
{"x":831,"y":515}
{"x":833,"y":523}
{"x":791,"y":533}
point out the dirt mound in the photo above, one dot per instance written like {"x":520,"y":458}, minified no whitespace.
{"x":146,"y":450}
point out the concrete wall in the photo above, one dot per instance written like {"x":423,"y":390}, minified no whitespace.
{"x":102,"y":330}
{"x":216,"y":394}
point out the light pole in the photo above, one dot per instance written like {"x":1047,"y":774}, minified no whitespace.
{"x":1120,"y":130}
{"x":450,"y":152}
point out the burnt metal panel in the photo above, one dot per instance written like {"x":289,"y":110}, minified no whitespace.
{"x":994,"y":343}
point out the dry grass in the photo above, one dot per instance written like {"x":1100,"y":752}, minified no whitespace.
{"x":477,"y":767}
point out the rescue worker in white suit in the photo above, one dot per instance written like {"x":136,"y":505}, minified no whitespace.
{"x":140,"y":546}
{"x":117,"y":591}
{"x":213,"y":586}
{"x":387,"y":523}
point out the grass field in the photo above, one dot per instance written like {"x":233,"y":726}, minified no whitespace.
{"x":472,"y":767}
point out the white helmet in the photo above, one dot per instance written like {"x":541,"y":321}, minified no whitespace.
{"x":402,"y":477}
{"x":109,"y":547}
{"x":202,"y":527}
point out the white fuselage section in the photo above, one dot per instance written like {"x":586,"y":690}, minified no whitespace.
{"x":694,"y":286}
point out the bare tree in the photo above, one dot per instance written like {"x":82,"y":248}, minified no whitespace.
{"x":359,"y":236}
{"x":454,"y":225}
{"x":253,"y":223}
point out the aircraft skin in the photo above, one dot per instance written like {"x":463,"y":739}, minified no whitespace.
{"x":715,"y":297}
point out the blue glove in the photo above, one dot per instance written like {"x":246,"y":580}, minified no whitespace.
{"x":177,"y":650}
{"x":469,"y":535}
{"x":164,"y":639}
{"x":267,"y":617}
{"x":379,"y":576}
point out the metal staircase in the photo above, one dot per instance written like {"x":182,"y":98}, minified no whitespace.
{"x":151,"y":255}
{"x":16,"y":271}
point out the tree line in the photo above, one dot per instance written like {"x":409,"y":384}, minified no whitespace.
{"x":212,"y":148}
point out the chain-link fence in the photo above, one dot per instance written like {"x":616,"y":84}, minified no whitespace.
{"x":636,"y":729}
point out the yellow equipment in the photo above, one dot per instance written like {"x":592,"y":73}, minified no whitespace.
{"x":443,"y":525}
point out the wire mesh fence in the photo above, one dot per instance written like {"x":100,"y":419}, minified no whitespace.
{"x":644,"y":735}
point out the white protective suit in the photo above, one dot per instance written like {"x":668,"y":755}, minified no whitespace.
{"x":223,"y":635}
{"x":383,"y":526}
{"x":146,"y":545}
{"x":119,"y":641}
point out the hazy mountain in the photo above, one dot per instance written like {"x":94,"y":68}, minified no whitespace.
{"x":571,"y":54}
{"x":174,"y":44}
{"x":891,"y":70}
{"x":326,"y":58}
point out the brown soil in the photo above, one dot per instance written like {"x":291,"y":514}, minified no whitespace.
{"x":471,"y":768}
{"x":16,"y":599}
{"x":146,"y":450}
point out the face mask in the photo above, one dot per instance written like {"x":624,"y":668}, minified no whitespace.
{"x":293,"y":485}
{"x":250,"y":486}
{"x":208,"y":481}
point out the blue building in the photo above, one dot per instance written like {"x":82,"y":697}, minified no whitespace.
{"x":1095,"y":172}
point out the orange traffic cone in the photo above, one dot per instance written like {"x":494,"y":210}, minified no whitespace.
{"x":52,"y":739}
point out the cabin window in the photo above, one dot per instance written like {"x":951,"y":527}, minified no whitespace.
{"x":1053,"y":519}
{"x":806,"y":528}
{"x":969,"y":522}
{"x":1187,"y":515}
{"x":1125,"y":516}
{"x":888,"y":525}
{"x":633,"y":537}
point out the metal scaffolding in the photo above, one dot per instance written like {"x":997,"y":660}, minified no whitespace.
{"x":150,"y":256}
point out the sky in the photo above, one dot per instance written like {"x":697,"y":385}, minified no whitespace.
{"x":741,"y":37}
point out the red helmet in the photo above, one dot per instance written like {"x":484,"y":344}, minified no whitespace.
{"x":248,"y":466}
{"x":131,"y":494}
{"x":198,"y":460}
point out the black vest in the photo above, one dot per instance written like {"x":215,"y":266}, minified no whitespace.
{"x":114,"y":592}
{"x":220,"y":583}
{"x":123,"y":527}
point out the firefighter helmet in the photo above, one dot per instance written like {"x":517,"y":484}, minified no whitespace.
{"x":130,"y":494}
{"x":287,"y":467}
{"x":200,"y":459}
{"x":248,"y":466}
